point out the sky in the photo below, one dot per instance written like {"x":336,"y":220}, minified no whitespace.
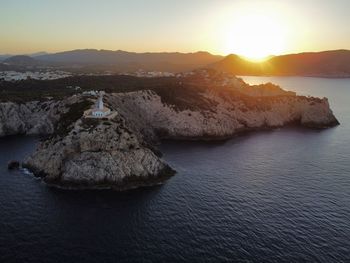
{"x":250,"y":28}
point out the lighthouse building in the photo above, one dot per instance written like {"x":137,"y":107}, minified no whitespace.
{"x":99,"y":110}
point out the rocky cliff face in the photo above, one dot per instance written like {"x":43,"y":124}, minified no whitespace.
{"x":32,"y":118}
{"x":98,"y":154}
{"x":28,"y":118}
{"x":117,"y":153}
{"x":222,"y":116}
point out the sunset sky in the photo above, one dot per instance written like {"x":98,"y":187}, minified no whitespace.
{"x":249,"y":28}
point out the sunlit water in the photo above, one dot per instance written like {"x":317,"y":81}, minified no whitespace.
{"x":273,"y":196}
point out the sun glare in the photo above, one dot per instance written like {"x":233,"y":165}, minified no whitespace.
{"x":255,"y":36}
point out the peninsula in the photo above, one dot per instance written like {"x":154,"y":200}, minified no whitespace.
{"x":109,"y":141}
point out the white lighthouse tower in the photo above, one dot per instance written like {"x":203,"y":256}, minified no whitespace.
{"x":100,"y":101}
{"x":100,"y":110}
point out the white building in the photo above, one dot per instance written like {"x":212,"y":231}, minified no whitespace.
{"x":100,"y":110}
{"x":90,"y":93}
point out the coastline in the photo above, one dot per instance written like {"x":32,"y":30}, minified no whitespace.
{"x":119,"y":153}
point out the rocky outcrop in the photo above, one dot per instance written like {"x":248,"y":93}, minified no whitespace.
{"x":35,"y":117}
{"x":13,"y":165}
{"x":226,"y":116}
{"x":32,"y":118}
{"x":118,"y":153}
{"x":98,"y":154}
{"x":28,"y":118}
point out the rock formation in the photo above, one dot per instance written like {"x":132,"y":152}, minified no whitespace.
{"x":98,"y":154}
{"x":118,"y":153}
{"x":222,"y":116}
{"x":28,"y":118}
{"x":32,"y":118}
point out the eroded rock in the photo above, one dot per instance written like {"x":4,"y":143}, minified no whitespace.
{"x":99,"y":154}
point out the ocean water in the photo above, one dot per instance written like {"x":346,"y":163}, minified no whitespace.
{"x":272,"y":196}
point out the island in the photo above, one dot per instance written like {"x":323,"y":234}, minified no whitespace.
{"x":108,"y":138}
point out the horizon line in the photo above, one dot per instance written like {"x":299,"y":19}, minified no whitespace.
{"x":165,"y":52}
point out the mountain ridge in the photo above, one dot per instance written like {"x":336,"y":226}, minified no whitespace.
{"x":94,"y":56}
{"x":91,"y":60}
{"x":332,"y":63}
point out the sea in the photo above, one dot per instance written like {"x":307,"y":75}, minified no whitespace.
{"x":272,"y":196}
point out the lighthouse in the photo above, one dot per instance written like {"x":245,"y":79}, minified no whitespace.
{"x":100,"y":101}
{"x":100,"y":110}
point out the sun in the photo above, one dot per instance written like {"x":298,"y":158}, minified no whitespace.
{"x":255,"y":36}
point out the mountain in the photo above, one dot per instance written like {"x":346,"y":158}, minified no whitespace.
{"x":174,"y":61}
{"x":21,"y":60}
{"x":33,"y":55}
{"x":41,"y":53}
{"x":3,"y":57}
{"x":335,"y":63}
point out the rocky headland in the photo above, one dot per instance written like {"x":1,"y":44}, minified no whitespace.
{"x":120,"y":153}
{"x":98,"y":154}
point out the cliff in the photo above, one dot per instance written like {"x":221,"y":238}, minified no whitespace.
{"x":97,"y":154}
{"x":28,"y":118}
{"x":220,"y":116}
{"x":33,"y":117}
{"x":118,"y":153}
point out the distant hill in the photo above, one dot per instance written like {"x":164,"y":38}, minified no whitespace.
{"x":129,"y":60}
{"x":33,"y":55}
{"x":21,"y":60}
{"x":326,"y":64}
{"x":334,"y":63}
{"x":3,"y":57}
{"x":41,"y":53}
